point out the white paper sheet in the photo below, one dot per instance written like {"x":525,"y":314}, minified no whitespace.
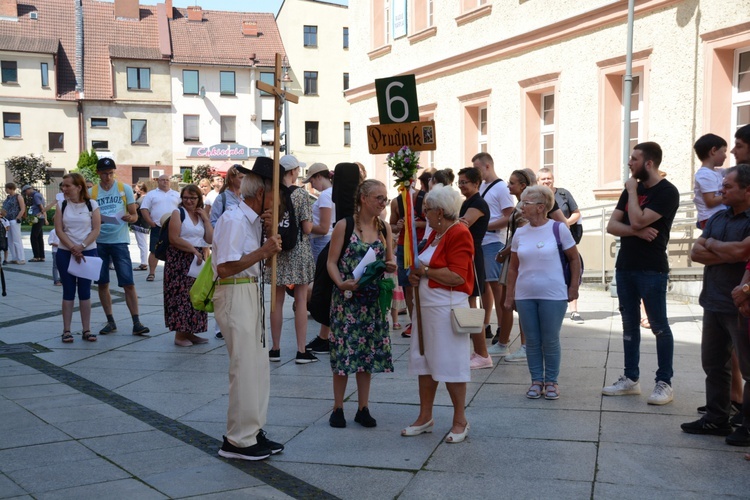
{"x":367,"y":259}
{"x":114,"y":219}
{"x":89,"y":269}
{"x":195,"y":268}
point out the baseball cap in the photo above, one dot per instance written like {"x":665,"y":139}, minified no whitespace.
{"x":25,"y":187}
{"x":315,"y":168}
{"x":290,"y":162}
{"x":105,"y":164}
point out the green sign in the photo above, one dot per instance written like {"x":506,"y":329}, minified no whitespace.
{"x":397,"y":99}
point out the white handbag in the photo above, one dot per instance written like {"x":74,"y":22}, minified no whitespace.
{"x":466,"y":320}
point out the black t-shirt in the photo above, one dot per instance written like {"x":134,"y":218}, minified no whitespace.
{"x":637,"y":254}
{"x":479,"y":228}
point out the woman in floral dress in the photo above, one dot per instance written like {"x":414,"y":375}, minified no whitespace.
{"x":188,"y":240}
{"x":359,"y":328}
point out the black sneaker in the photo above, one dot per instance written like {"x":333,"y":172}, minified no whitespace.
{"x":407,"y":332}
{"x":219,"y":336}
{"x":139,"y":329}
{"x":271,"y":445}
{"x":487,"y":332}
{"x":110,"y":327}
{"x":703,"y":426}
{"x":319,"y":346}
{"x":363,"y":417}
{"x":274,"y":355}
{"x":740,"y":437}
{"x":736,"y":420}
{"x":337,"y":418}
{"x":702,"y":410}
{"x":257,"y":451}
{"x":305,"y":357}
{"x":496,"y":338}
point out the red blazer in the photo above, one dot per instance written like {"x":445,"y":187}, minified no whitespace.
{"x":456,"y":252}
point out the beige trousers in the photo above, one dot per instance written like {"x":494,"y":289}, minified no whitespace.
{"x":237,"y":310}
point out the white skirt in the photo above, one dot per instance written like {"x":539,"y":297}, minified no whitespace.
{"x":446,"y":355}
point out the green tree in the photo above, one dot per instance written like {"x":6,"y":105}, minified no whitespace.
{"x":203,"y":172}
{"x":86,"y":165}
{"x":187,"y":176}
{"x":29,"y":169}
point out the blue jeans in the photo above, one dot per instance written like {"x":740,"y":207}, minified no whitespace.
{"x":72,"y":283}
{"x":651,"y":286}
{"x":119,"y":255}
{"x":541,"y":321}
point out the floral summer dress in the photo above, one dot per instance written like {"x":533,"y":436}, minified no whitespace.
{"x":296,"y":266}
{"x":359,"y":330}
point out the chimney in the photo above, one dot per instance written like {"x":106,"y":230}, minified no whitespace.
{"x":170,"y":12}
{"x":195,"y":13}
{"x":127,"y":9}
{"x":8,"y":9}
{"x":250,"y":28}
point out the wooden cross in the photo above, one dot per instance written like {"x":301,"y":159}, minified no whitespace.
{"x":279,"y":95}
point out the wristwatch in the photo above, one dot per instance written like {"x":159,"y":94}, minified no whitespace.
{"x":426,"y":269}
{"x":746,"y":288}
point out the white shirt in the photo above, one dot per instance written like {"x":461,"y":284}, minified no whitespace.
{"x":193,"y":233}
{"x":237,"y":233}
{"x":324,"y":201}
{"x":540,"y":271}
{"x":210,"y":197}
{"x":498,"y":199}
{"x":158,"y":203}
{"x":76,"y":222}
{"x":707,"y":180}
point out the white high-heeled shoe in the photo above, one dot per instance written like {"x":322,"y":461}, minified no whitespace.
{"x":453,"y":438}
{"x":416,"y":430}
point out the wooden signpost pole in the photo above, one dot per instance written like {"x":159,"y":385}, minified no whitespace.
{"x":279,"y":95}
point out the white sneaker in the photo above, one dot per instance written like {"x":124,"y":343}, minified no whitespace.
{"x":517,"y":357}
{"x":624,"y":386}
{"x":662,"y":394}
{"x":478,"y":362}
{"x":498,"y":350}
{"x":576,"y":318}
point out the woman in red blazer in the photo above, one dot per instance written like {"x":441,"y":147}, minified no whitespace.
{"x":445,"y":277}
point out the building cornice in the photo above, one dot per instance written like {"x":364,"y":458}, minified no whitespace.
{"x":552,"y":33}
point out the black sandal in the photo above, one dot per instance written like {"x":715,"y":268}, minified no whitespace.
{"x":67,"y":338}
{"x":87,"y":335}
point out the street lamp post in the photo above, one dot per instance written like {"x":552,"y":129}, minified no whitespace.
{"x":286,"y":81}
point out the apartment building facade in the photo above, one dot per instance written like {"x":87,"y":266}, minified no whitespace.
{"x":316,"y":39}
{"x":541,"y":83}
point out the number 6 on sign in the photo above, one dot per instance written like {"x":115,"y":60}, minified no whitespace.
{"x":397,"y":99}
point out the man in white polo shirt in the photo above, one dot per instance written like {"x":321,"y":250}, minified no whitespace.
{"x":156,"y":204}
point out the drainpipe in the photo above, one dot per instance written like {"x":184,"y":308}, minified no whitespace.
{"x":79,"y":77}
{"x":626,"y":95}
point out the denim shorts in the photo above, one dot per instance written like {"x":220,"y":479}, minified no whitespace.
{"x":153,"y":238}
{"x":119,"y":255}
{"x":492,"y":268}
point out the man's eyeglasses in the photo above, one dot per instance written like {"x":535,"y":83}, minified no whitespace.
{"x":532,"y":203}
{"x":463,"y":183}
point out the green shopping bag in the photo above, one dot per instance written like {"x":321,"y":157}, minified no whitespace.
{"x":202,"y":291}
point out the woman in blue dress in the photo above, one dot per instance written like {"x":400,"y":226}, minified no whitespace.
{"x":359,"y":328}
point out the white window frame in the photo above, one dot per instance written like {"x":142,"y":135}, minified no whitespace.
{"x":388,"y":20}
{"x":739,"y":99}
{"x":546,"y":130}
{"x":636,"y":116}
{"x":482,"y":139}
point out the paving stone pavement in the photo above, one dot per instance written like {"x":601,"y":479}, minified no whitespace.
{"x":133,"y":417}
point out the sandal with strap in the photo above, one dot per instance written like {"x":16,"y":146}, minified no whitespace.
{"x":551,"y":391}
{"x":535,"y":391}
{"x":67,"y":338}
{"x":87,"y":335}
{"x":150,"y":277}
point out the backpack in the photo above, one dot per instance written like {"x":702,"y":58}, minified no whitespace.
{"x":288,"y":227}
{"x":563,"y":257}
{"x":120,"y":189}
{"x":65,"y":204}
{"x":319,"y":305}
{"x":162,"y":245}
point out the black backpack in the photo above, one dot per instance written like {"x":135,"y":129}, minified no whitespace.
{"x":162,"y":245}
{"x":288,"y":227}
{"x":320,"y":300}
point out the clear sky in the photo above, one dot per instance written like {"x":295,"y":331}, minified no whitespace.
{"x":237,"y":5}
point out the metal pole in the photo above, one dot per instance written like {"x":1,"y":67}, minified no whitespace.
{"x":627,"y":93}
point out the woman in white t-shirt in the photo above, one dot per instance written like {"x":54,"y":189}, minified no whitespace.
{"x":537,"y":286}
{"x":77,"y":224}
{"x":319,"y":177}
